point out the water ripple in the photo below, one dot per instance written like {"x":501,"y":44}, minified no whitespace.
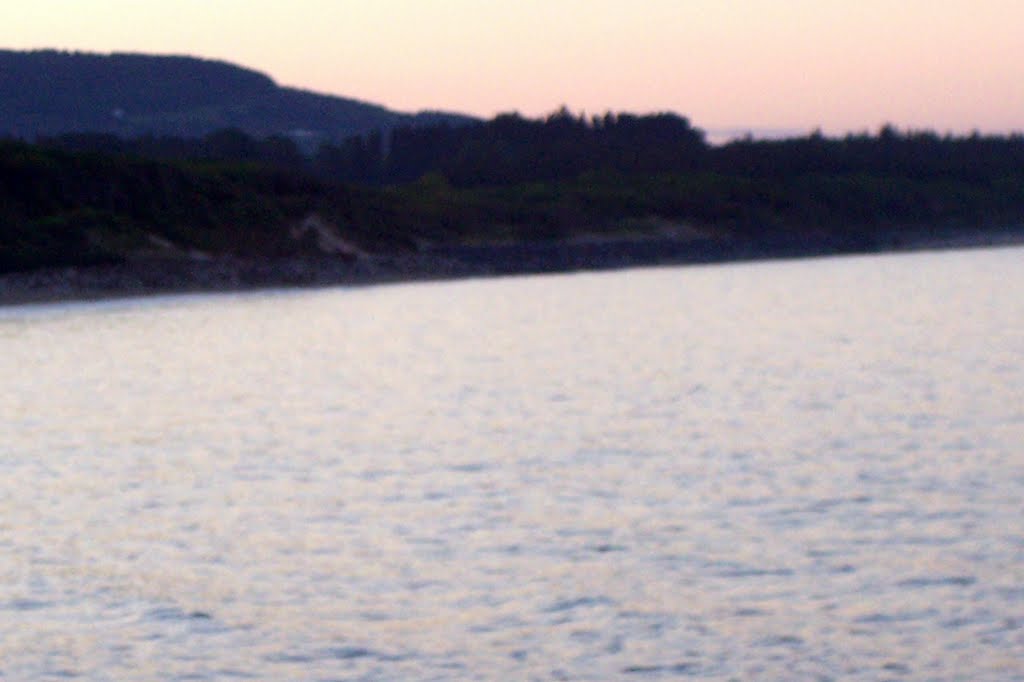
{"x":636,"y":475}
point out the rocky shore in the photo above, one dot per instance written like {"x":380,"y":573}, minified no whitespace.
{"x":154,"y":276}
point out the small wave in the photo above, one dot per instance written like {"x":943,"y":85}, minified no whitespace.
{"x":605,"y":548}
{"x":230,"y":673}
{"x":781,"y":640}
{"x":336,"y":653}
{"x":28,"y":605}
{"x":470,"y":468}
{"x":1015,"y":593}
{"x":581,"y":602}
{"x":346,"y":653}
{"x":684,"y":668}
{"x":499,"y":624}
{"x":939,"y":581}
{"x":894,"y":667}
{"x":174,"y":613}
{"x":750,"y":572}
{"x":899,"y":617}
{"x":960,"y":622}
{"x":289,"y":657}
{"x":826,"y":504}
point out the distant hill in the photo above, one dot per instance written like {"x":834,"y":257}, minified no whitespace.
{"x":47,"y":92}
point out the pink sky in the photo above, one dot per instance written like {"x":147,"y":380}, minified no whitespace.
{"x":795,"y":64}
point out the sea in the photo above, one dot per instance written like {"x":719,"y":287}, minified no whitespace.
{"x":791,"y":470}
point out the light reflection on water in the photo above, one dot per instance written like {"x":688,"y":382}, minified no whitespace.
{"x":803,"y":470}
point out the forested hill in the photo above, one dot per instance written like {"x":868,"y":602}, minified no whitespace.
{"x":46,"y":92}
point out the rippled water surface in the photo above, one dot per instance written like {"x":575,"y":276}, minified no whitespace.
{"x":802,"y":470}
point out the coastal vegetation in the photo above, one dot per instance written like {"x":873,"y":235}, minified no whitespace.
{"x":91,"y":199}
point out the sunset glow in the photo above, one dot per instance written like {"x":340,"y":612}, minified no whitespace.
{"x":947,"y":65}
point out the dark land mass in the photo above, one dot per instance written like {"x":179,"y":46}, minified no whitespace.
{"x":48,"y":92}
{"x":97,"y":214}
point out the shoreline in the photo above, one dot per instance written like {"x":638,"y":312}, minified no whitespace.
{"x":168,"y":276}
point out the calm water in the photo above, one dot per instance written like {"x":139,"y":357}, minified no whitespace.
{"x":788,"y":471}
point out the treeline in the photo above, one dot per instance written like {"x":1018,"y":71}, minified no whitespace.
{"x":910,"y":154}
{"x":60,"y":208}
{"x":227,"y":145}
{"x":511,"y":149}
{"x":506,"y":150}
{"x":86,"y":199}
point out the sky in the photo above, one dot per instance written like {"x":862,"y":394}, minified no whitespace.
{"x":790,"y":65}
